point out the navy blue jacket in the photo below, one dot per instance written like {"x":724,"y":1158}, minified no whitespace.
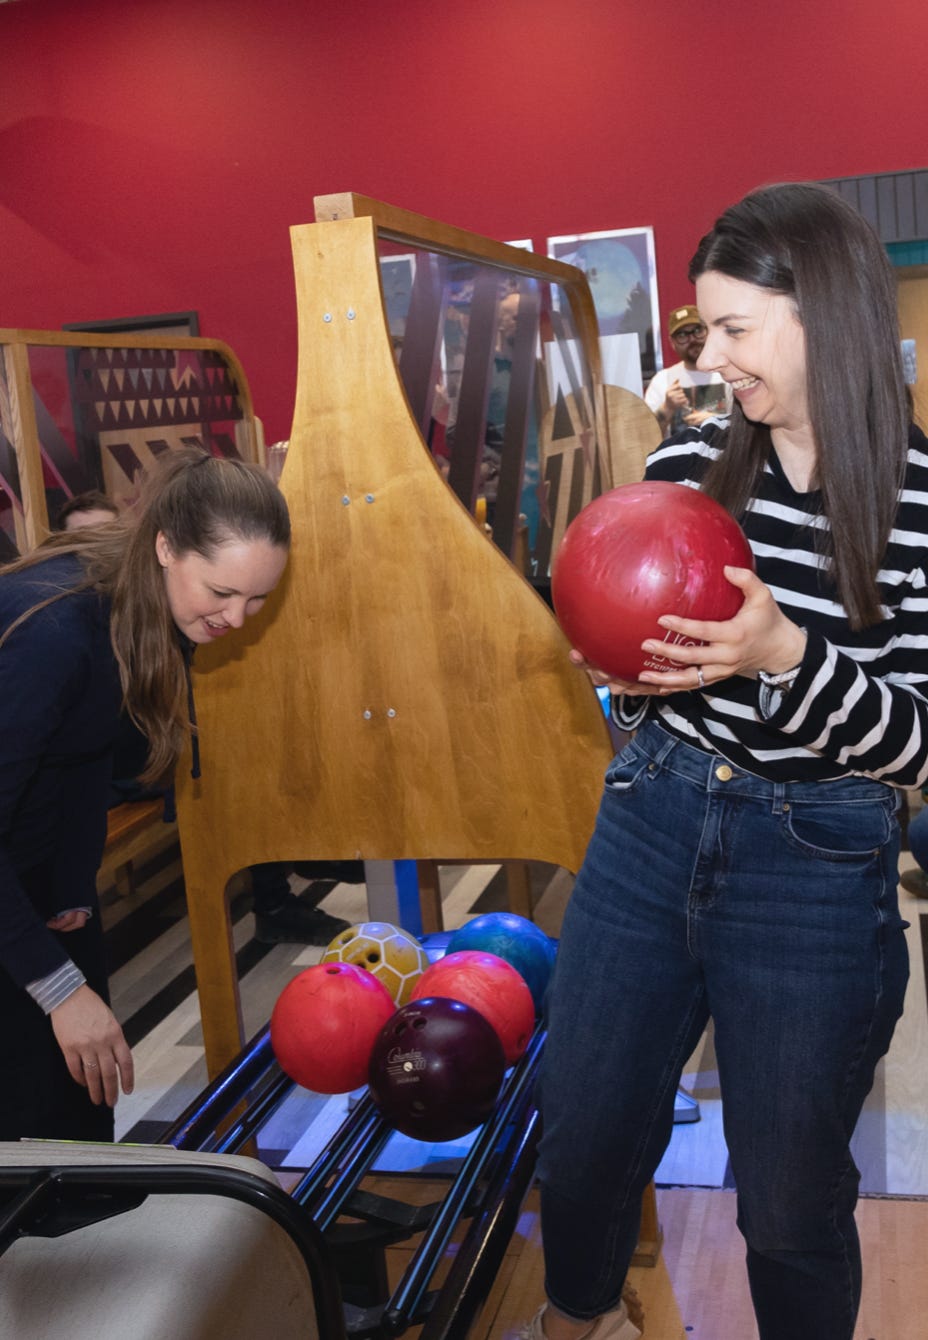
{"x":59,"y":709}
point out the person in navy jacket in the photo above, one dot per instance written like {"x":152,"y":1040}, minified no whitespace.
{"x":94,"y":621}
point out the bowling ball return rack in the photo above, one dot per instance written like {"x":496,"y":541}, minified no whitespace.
{"x":354,"y":1227}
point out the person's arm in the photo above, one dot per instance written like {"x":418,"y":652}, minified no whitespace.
{"x":664,"y":397}
{"x":43,"y":676}
{"x":676,"y":401}
{"x":93,"y":1045}
{"x":875,"y":725}
{"x":869,"y":721}
{"x":697,"y":417}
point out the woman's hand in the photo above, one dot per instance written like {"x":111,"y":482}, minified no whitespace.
{"x":759,"y":637}
{"x":75,"y":920}
{"x":600,"y":679}
{"x":94,"y":1048}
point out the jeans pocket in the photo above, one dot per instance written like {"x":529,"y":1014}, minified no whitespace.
{"x":835,"y":832}
{"x":626,"y":768}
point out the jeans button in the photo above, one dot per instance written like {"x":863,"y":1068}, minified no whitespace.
{"x":724,"y":773}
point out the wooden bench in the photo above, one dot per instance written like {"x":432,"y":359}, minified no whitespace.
{"x":133,"y":829}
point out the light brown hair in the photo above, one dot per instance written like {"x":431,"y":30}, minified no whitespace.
{"x":199,"y":502}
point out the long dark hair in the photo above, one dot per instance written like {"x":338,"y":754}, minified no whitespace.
{"x":806,"y":242}
{"x":199,"y":502}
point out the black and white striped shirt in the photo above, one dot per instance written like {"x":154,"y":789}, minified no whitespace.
{"x":860,"y":703}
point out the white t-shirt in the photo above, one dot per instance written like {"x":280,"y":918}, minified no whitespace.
{"x":696,"y":384}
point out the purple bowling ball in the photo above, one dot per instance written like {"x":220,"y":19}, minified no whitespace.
{"x":436,"y":1069}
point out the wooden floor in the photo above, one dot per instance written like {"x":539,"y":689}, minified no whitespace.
{"x":519,"y":1288}
{"x":698,"y":1290}
{"x":703,"y":1252}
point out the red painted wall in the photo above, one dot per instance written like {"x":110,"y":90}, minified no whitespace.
{"x":154,"y":154}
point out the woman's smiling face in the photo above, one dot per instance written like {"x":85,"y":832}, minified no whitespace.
{"x":208,"y":596}
{"x":757,"y":344}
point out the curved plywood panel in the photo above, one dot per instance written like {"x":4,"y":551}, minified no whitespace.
{"x":405,"y":693}
{"x":634,"y":432}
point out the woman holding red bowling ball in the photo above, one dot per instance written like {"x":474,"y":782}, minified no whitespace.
{"x":744,"y":861}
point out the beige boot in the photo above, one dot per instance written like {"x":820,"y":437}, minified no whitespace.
{"x":615,"y":1325}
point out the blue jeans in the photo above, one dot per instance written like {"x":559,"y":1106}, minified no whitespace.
{"x":772,"y":908}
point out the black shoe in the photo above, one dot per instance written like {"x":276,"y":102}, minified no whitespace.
{"x":295,"y":922}
{"x":915,"y":881}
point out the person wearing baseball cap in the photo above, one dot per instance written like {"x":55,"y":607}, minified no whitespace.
{"x":681,"y":395}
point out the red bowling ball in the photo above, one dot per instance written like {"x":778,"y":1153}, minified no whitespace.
{"x":325,"y":1023}
{"x":517,"y":940}
{"x":436,"y":1069}
{"x":489,"y":985}
{"x":638,"y":552}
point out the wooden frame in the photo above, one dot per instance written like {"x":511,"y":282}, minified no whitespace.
{"x":637,"y":243}
{"x":501,"y":397}
{"x":18,"y":413}
{"x":404,"y":693}
{"x":168,"y":324}
{"x":402,"y":226}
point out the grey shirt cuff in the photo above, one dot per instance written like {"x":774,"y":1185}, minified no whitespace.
{"x":49,"y":992}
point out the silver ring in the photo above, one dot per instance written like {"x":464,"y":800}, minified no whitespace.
{"x":89,"y":1065}
{"x":699,"y":677}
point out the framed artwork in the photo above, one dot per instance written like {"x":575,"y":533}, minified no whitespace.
{"x":621,"y":270}
{"x":159,"y":323}
{"x":106,"y":414}
{"x":396,"y":277}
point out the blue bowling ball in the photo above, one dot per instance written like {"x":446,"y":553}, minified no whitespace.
{"x":519,"y":941}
